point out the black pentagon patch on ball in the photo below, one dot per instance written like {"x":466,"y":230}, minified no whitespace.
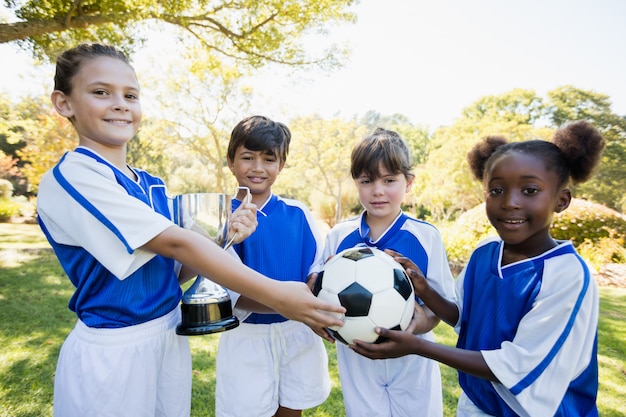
{"x":317,"y":286}
{"x":356,"y":299}
{"x":358,"y":254}
{"x":402,"y":284}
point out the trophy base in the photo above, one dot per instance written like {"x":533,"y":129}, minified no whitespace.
{"x":216,"y":327}
{"x":199,"y":319}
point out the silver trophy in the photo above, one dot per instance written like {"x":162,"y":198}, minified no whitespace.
{"x":206,"y":307}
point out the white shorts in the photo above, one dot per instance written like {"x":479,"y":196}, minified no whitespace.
{"x":136,"y":371}
{"x":262,"y":366}
{"x":399,"y":387}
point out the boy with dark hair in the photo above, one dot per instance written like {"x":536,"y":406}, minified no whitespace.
{"x":269,"y":365}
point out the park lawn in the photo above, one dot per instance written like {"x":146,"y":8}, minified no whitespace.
{"x":34,"y":321}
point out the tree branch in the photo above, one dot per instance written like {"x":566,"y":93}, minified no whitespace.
{"x":68,"y":18}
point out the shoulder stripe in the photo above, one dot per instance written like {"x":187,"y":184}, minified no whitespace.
{"x":87,"y":205}
{"x":535,"y":373}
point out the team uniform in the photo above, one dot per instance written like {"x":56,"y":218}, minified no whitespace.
{"x":409,"y":385}
{"x":535,"y":323}
{"x":269,"y":360}
{"x":126,"y":299}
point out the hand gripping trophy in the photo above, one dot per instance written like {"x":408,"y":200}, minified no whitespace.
{"x":206,"y":307}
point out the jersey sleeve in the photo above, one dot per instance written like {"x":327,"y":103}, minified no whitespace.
{"x":554,"y":341}
{"x":459,"y":284}
{"x":318,"y":260}
{"x":438,"y":274}
{"x":336,"y":236}
{"x":82,"y":204}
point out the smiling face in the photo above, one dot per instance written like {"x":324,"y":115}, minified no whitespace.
{"x":382,"y":196}
{"x":256,"y":170}
{"x":521,"y":196}
{"x":103,"y":105}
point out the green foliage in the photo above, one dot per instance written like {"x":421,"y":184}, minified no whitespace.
{"x":45,"y":135}
{"x":147,"y":152}
{"x":8,"y":207}
{"x":319,"y":162}
{"x":11,"y":144}
{"x":594,"y":229}
{"x":444,"y":183}
{"x":604,"y":251}
{"x":463,"y":235}
{"x":186,"y":143}
{"x":597,"y":231}
{"x":251,"y":32}
{"x":518,"y":107}
{"x":584,"y":220}
{"x":568,"y":103}
{"x":8,"y":210}
{"x":326,"y":208}
{"x":417,"y":137}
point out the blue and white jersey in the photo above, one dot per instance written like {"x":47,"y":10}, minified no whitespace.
{"x":411,"y":383}
{"x":96,"y":219}
{"x":535,"y":323}
{"x":417,"y":240}
{"x":286,"y":246}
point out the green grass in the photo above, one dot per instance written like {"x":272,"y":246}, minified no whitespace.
{"x":34,"y":321}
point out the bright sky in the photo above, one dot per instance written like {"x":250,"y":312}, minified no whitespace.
{"x":430,"y":59}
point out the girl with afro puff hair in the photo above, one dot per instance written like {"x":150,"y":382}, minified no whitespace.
{"x":526,"y":310}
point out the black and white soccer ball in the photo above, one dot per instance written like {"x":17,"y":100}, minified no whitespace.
{"x":373,"y":288}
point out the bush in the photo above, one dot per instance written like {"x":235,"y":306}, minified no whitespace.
{"x":605,"y":251}
{"x":584,"y":220}
{"x":8,"y":209}
{"x":595,"y":230}
{"x":462,"y":236}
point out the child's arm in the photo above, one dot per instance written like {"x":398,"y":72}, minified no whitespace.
{"x":445,"y":309}
{"x":404,"y":343}
{"x":293,"y":300}
{"x":248,"y":304}
{"x":243,"y":223}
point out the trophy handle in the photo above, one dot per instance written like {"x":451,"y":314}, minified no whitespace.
{"x":245,"y":198}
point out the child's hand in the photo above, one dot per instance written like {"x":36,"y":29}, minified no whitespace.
{"x":399,"y":343}
{"x":242,"y":222}
{"x":295,"y":301}
{"x":420,"y":285}
{"x":321,"y":332}
{"x":419,"y":323}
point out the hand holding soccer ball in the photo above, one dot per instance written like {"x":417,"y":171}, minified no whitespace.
{"x":373,"y":288}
